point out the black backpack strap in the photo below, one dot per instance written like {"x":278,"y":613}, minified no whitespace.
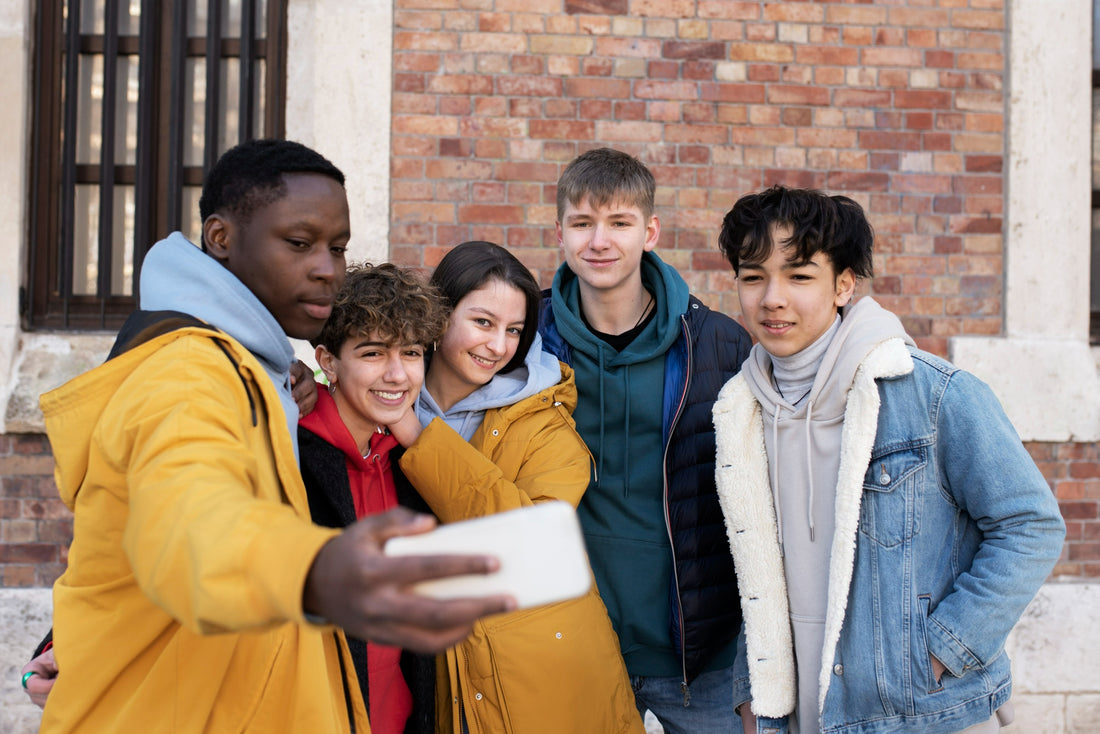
{"x":143,"y":326}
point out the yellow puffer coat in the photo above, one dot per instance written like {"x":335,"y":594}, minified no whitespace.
{"x":181,"y":608}
{"x":550,"y":669}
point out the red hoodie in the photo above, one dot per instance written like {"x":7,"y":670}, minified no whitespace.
{"x":372,"y":491}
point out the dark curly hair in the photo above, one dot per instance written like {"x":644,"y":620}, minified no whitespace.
{"x":834,"y":225}
{"x":395,"y":303}
{"x":250,"y":175}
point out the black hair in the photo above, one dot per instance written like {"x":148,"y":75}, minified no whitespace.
{"x":471,"y":265}
{"x":834,"y":225}
{"x":250,"y":175}
{"x":607,"y":176}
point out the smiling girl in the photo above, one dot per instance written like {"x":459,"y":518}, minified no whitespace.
{"x":493,"y":431}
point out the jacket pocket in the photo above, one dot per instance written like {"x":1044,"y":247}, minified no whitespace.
{"x":921,"y":647}
{"x":889,"y":513}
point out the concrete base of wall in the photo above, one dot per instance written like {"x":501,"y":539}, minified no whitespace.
{"x":25,"y":617}
{"x":1056,"y":678}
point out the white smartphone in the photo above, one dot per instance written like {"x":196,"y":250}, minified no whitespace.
{"x":540,"y":548}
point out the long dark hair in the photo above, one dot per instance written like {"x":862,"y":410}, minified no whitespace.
{"x":471,"y":265}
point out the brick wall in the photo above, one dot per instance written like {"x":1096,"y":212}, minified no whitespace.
{"x":1073,"y":471}
{"x":35,"y":525}
{"x":899,"y":105}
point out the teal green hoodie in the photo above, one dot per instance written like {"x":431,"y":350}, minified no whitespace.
{"x":620,"y":416}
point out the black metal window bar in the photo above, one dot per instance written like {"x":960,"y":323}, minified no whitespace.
{"x":133,"y":101}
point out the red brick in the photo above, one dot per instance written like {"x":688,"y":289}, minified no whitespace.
{"x":532,"y":86}
{"x":981,"y":20}
{"x":499,"y":214}
{"x":699,"y":70}
{"x":635,"y":131}
{"x":908,"y":57}
{"x":862,"y":97}
{"x":922,"y":99}
{"x":561,"y":108}
{"x":774,"y":53}
{"x":808,"y":95}
{"x":528,"y":64}
{"x":693,"y":50}
{"x":613,"y":88}
{"x":728,"y":10}
{"x":525,"y":171}
{"x":613,"y":47}
{"x":645,"y":89}
{"x":663,"y":8}
{"x":739,"y":93}
{"x":594,"y":7}
{"x":598,"y":109}
{"x":583,"y":130}
{"x":906,"y":16}
{"x":28,"y":552}
{"x":660,"y":69}
{"x":853,"y":181}
{"x":984,"y":163}
{"x":889,"y":141}
{"x":1084,"y":551}
{"x":597,"y":67}
{"x":1084,"y":470}
{"x":624,"y":111}
{"x":404,"y":41}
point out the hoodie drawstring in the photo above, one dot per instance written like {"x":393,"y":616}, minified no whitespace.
{"x":810,"y":467}
{"x":775,"y":478}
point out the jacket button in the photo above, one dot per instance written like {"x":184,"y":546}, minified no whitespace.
{"x":558,"y":635}
{"x":496,"y":432}
{"x":838,"y":669}
{"x":456,"y":699}
{"x":477,"y":696}
{"x":557,"y":403}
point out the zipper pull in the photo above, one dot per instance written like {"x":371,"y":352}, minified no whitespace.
{"x":686,"y":692}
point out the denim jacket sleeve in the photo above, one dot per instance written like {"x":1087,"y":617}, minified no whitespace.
{"x":989,"y":475}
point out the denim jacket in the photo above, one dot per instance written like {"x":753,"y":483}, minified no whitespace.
{"x":945,"y":530}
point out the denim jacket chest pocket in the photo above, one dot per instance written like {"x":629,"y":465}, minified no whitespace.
{"x":889,"y":512}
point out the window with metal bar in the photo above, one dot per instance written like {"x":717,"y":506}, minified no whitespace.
{"x":1094,"y":272}
{"x":133,"y":101}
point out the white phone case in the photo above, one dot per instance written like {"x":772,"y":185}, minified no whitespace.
{"x":540,"y":548}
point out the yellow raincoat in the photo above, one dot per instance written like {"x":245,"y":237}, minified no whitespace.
{"x":181,"y":608}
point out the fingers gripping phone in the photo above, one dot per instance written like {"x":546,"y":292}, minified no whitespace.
{"x":540,"y":549}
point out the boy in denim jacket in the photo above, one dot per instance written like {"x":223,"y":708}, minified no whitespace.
{"x":887,"y":525}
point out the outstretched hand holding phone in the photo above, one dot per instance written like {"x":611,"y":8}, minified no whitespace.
{"x":354,"y":585}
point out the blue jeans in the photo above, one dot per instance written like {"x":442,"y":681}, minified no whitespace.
{"x":709,"y":706}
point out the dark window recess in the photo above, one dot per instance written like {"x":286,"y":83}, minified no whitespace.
{"x":133,"y":101}
{"x":1094,"y":271}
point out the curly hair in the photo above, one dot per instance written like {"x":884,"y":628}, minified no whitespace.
{"x":394,"y":303}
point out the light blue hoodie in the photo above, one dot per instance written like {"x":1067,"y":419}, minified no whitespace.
{"x":540,"y":370}
{"x":178,"y":276}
